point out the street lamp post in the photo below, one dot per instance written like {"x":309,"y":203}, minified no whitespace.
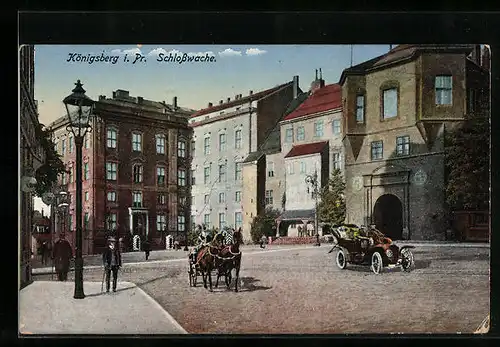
{"x":79,"y":109}
{"x":312,"y":186}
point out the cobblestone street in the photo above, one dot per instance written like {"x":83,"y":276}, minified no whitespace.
{"x":299,"y":289}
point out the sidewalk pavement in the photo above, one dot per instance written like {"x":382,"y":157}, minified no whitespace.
{"x":47,"y":307}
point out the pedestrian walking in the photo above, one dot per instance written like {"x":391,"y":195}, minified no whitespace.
{"x":263,"y":240}
{"x":61,"y":256}
{"x":112,"y":260}
{"x":146,"y":246}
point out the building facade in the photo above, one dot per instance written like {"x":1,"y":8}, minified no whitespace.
{"x":311,"y":141}
{"x":224,"y":135}
{"x":396,"y":110}
{"x":136,"y":182}
{"x":31,"y":156}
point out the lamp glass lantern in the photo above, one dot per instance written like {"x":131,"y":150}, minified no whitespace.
{"x":79,"y":108}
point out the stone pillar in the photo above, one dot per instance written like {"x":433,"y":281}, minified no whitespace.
{"x":130,"y":221}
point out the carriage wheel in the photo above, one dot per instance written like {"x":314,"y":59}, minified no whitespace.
{"x":377,"y":263}
{"x":407,"y":260}
{"x":341,"y":259}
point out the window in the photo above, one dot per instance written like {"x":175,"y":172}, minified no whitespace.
{"x":86,"y":141}
{"x":301,"y":134}
{"x":318,"y":128}
{"x":86,"y":171}
{"x":222,"y":198}
{"x":63,"y":178}
{"x":222,"y":220}
{"x":137,"y":199}
{"x":71,"y":171}
{"x":86,"y":219}
{"x":160,"y":144}
{"x":336,"y":161}
{"x":270,"y":169}
{"x":237,"y":139}
{"x":160,"y":175}
{"x":71,"y":144}
{"x":360,"y":108}
{"x":269,"y":197}
{"x":289,"y":135}
{"x":111,"y":138}
{"x":222,"y":142}
{"x":238,"y":220}
{"x":444,"y":90}
{"x":181,"y":177}
{"x":136,"y":142}
{"x":161,"y":222}
{"x":111,"y":221}
{"x":206,"y":199}
{"x":181,"y":149}
{"x":112,"y":196}
{"x":377,"y":150}
{"x":206,"y":175}
{"x":206,"y":145}
{"x":63,"y":146}
{"x":390,"y":103}
{"x":289,"y":168}
{"x":237,"y":172}
{"x":302,"y":167}
{"x":162,"y":199}
{"x":137,"y":170}
{"x":193,"y":178}
{"x":111,"y":169}
{"x":222,"y":173}
{"x":181,"y":223}
{"x":206,"y":220}
{"x":403,"y":145}
{"x":237,"y":196}
{"x":86,"y":196}
{"x":336,"y":126}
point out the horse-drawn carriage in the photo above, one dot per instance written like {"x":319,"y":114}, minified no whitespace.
{"x":368,"y":246}
{"x":218,"y":256}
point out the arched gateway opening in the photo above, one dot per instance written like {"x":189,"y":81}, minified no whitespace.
{"x":388,"y":216}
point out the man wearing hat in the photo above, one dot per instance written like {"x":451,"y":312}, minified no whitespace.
{"x":112,"y":260}
{"x":62,"y":254}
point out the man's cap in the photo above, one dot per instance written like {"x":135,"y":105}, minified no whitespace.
{"x":111,"y":239}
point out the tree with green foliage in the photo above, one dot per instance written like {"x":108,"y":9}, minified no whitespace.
{"x":46,"y":175}
{"x":264,"y":224}
{"x":332,"y":206}
{"x":468,"y":165}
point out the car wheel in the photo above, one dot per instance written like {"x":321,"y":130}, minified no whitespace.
{"x":407,"y":260}
{"x":341,"y":259}
{"x":377,"y":263}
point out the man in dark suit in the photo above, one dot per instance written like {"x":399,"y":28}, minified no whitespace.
{"x":62,"y":255}
{"x":112,"y":260}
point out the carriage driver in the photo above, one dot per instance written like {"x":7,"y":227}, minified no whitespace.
{"x":204,"y":237}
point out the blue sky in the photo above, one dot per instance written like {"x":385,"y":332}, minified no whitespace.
{"x":236,"y":70}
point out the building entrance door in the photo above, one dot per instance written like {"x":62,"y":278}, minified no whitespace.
{"x":388,"y":216}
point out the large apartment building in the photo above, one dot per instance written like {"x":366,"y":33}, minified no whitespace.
{"x":396,"y":109}
{"x":311,"y":141}
{"x":31,"y":155}
{"x":224,"y":135}
{"x":136,"y":182}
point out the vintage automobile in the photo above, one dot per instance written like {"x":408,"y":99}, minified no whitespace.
{"x":368,"y":246}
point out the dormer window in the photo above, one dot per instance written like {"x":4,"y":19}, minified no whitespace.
{"x":360,"y":109}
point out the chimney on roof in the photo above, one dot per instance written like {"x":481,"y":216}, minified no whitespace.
{"x":485,"y":57}
{"x":174,"y":102}
{"x":210,"y":104}
{"x":251,"y":92}
{"x":102,"y":97}
{"x":295,"y":86}
{"x":140,"y":100}
{"x":121,"y":94}
{"x":221,"y":102}
{"x":317,"y":83}
{"x":228,"y":99}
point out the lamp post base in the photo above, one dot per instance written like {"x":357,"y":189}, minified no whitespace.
{"x":317,"y":241}
{"x":79,"y":294}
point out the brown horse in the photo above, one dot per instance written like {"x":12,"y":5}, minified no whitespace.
{"x":205,"y":261}
{"x":229,"y":258}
